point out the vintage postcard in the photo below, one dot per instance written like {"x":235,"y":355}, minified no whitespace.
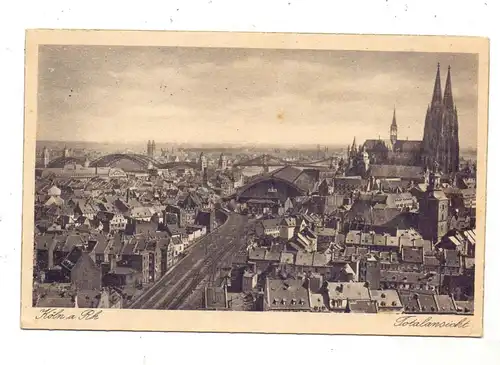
{"x":246,"y":182}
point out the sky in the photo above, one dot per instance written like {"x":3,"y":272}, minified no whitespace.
{"x":244,"y":96}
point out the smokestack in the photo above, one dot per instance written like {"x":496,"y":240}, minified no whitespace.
{"x":112,"y":263}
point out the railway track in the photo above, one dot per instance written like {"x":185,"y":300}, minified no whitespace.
{"x":202,"y":274}
{"x":177,"y":285}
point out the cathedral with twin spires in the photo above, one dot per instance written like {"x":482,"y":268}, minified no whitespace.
{"x":440,"y":145}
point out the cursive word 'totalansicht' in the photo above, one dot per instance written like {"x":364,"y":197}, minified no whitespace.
{"x":416,"y":321}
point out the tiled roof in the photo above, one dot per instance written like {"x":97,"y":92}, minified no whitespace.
{"x":400,"y":171}
{"x":320,"y":259}
{"x":304,"y":259}
{"x":452,"y":258}
{"x":362,"y":306}
{"x":371,"y":144}
{"x":412,"y":255}
{"x":56,"y":302}
{"x":408,"y":146}
{"x":88,"y":298}
{"x":445,"y":304}
{"x":272,"y":256}
{"x":288,"y":173}
{"x":348,"y":290}
{"x":102,"y":243}
{"x":287,"y":294}
{"x":270,"y":223}
{"x":43,"y":242}
{"x":466,"y":307}
{"x":257,"y":254}
{"x":408,"y":277}
{"x":289,"y":222}
{"x":72,"y":241}
{"x":386,"y":298}
{"x":432,"y":261}
{"x":287,"y":258}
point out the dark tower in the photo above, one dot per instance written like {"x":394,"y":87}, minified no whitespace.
{"x":354,"y":148}
{"x":222,"y":162}
{"x":394,"y":129}
{"x":66,"y":152}
{"x":440,"y":143}
{"x":433,"y":209}
{"x":450,"y":161}
{"x":148,"y":151}
{"x":153,"y":149}
{"x":46,"y":157}
{"x":202,"y":162}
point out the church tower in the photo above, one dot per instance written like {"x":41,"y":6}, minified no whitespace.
{"x":366,"y":159}
{"x":153,"y":149}
{"x":202,"y":162}
{"x":148,"y":149}
{"x":46,"y":157}
{"x":433,"y":209}
{"x":222,"y":162}
{"x":354,"y":148}
{"x":450,"y":149}
{"x":66,"y":152}
{"x":440,"y":143}
{"x":394,"y":129}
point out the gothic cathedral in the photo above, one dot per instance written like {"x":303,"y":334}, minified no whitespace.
{"x":440,"y":144}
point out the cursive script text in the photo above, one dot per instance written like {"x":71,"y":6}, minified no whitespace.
{"x":60,"y":314}
{"x":415,"y":321}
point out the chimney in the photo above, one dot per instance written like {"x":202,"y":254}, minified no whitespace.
{"x":112,"y":263}
{"x":50,"y":253}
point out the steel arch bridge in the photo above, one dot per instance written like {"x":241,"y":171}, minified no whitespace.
{"x":180,"y":164}
{"x":266,"y":160}
{"x":60,"y":162}
{"x":142,"y":161}
{"x":112,"y":159}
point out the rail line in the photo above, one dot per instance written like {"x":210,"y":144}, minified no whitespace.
{"x":177,"y":285}
{"x":204,"y":271}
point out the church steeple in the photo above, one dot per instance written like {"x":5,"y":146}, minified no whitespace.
{"x":448,"y":96}
{"x":436,"y":95}
{"x":440,"y":143}
{"x":394,"y":128}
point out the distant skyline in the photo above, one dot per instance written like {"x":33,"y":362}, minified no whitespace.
{"x":247,"y":96}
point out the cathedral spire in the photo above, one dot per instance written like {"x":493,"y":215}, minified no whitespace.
{"x":448,"y":96}
{"x":394,"y":128}
{"x":436,"y":95}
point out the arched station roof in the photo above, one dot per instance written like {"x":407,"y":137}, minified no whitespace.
{"x":114,"y":160}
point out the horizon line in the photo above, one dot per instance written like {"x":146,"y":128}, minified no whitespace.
{"x":218,"y":144}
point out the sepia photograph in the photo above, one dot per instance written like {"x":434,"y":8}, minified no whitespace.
{"x":233,"y":182}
